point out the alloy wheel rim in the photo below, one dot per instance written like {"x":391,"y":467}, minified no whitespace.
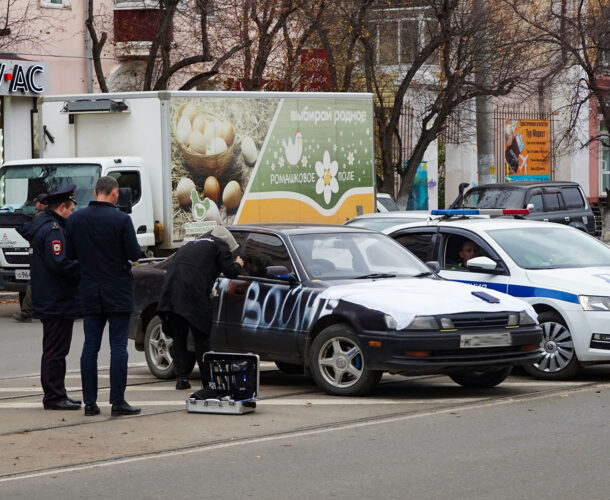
{"x":341,"y":362}
{"x":558,"y":348}
{"x":159,"y":347}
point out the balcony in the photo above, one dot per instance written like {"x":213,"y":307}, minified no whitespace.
{"x":134,"y":30}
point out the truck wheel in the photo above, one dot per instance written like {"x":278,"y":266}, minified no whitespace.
{"x":559,"y":361}
{"x":289,"y":369}
{"x":481,"y":379}
{"x":338,"y":365}
{"x":157,"y":350}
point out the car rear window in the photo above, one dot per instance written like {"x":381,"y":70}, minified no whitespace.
{"x":494,"y":198}
{"x":572,"y":197}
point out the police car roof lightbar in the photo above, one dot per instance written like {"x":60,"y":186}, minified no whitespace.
{"x":482,"y":211}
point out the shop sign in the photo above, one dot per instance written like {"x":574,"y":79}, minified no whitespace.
{"x":23,"y":78}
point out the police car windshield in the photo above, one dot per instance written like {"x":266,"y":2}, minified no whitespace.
{"x":551,"y":247}
{"x":20,"y":184}
{"x":493,"y":198}
{"x":331,"y":256}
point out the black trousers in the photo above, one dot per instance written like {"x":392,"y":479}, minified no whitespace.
{"x":56,"y":339}
{"x":201,"y":335}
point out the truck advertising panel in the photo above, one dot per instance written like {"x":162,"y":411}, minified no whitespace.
{"x":269,"y":159}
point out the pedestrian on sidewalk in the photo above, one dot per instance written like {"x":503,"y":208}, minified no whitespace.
{"x":25,"y":315}
{"x":54,"y":279}
{"x":185,"y":295}
{"x":104,"y":241}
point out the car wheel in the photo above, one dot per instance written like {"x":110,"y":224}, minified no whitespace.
{"x":289,"y":369}
{"x":157,"y":350}
{"x":481,"y":379}
{"x":338,"y":365}
{"x":559,"y":361}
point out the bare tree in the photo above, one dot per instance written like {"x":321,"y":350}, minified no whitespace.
{"x":179,"y":49}
{"x":437,"y":73}
{"x":576,"y":37}
{"x":22,"y":26}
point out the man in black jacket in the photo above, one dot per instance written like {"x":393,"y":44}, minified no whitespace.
{"x":104,"y":241}
{"x":185,"y":295}
{"x":54,"y":279}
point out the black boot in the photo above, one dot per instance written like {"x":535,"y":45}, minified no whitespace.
{"x":182,"y":383}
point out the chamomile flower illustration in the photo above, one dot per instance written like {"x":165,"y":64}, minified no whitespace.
{"x":350,"y":158}
{"x":280,"y":160}
{"x":327,"y":182}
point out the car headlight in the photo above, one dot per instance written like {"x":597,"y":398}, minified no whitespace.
{"x":594,"y":302}
{"x":525,"y":319}
{"x":390,"y":322}
{"x":423,"y":323}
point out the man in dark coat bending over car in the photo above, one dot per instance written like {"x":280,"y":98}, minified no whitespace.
{"x":185,"y":295}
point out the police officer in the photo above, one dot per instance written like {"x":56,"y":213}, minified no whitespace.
{"x":185,"y":295}
{"x":104,"y":241}
{"x":54,"y":279}
{"x":25,"y":315}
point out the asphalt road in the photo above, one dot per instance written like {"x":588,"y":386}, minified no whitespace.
{"x":421,"y":438}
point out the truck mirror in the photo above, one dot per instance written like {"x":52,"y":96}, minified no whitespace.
{"x":124,"y":203}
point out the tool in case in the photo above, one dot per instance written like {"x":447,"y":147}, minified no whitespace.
{"x":230,"y":384}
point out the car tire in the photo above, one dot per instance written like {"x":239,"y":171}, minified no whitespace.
{"x":481,"y":379}
{"x":338,"y":365}
{"x":289,"y":368}
{"x":157,"y":350}
{"x":559,"y":361}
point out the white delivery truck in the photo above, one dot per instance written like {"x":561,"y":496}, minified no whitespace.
{"x":195,"y":159}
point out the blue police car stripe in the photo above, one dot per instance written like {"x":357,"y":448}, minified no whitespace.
{"x":527,"y":291}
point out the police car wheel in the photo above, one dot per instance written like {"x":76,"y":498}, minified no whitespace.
{"x":337,"y":363}
{"x":481,"y":379}
{"x":559,"y":361}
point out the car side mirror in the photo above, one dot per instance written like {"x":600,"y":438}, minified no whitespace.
{"x":434,"y":266}
{"x":483,"y":265}
{"x":278,"y":273}
{"x":124,"y":203}
{"x":531,"y":207}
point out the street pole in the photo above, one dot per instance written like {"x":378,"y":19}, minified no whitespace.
{"x":486,"y":169}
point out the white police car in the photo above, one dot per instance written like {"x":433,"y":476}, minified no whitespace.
{"x":561,"y":271}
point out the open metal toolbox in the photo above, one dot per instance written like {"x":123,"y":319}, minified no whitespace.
{"x":234,"y":381}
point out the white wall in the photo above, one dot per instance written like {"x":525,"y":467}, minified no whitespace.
{"x":17,"y":128}
{"x":460,"y":166}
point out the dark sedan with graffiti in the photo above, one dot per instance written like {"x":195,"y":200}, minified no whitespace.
{"x":345,"y":305}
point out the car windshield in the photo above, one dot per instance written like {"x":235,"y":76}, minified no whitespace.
{"x":332,"y":256}
{"x":20,"y":184}
{"x":551,"y":247}
{"x":494,"y":198}
{"x":381,"y":223}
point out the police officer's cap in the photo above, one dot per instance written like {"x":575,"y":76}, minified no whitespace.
{"x":64,"y":194}
{"x":41,"y":198}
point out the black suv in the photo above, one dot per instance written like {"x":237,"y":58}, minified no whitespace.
{"x":550,"y":201}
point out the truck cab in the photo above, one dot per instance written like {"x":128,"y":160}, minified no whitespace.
{"x":21,"y":181}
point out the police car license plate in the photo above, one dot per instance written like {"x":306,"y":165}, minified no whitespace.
{"x":22,"y":274}
{"x":485,"y":339}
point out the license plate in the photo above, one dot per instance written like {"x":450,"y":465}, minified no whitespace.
{"x":485,"y":340}
{"x":22,"y":274}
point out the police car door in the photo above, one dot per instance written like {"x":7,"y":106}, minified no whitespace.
{"x":254,"y":301}
{"x":452,"y":242}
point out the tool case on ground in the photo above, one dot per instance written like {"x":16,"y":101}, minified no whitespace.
{"x":230,"y":384}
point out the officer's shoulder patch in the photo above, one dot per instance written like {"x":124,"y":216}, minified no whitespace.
{"x":56,"y":247}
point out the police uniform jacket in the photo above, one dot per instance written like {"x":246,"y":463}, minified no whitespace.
{"x":54,"y":276}
{"x":191,"y":275}
{"x":103,"y":240}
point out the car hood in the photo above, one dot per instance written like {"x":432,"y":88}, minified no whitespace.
{"x":579,"y":280}
{"x":406,"y":298}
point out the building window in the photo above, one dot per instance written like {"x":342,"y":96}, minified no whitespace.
{"x":604,"y":158}
{"x":58,"y":4}
{"x":399,"y":41}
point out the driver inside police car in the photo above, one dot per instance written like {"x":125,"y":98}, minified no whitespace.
{"x":468,"y":251}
